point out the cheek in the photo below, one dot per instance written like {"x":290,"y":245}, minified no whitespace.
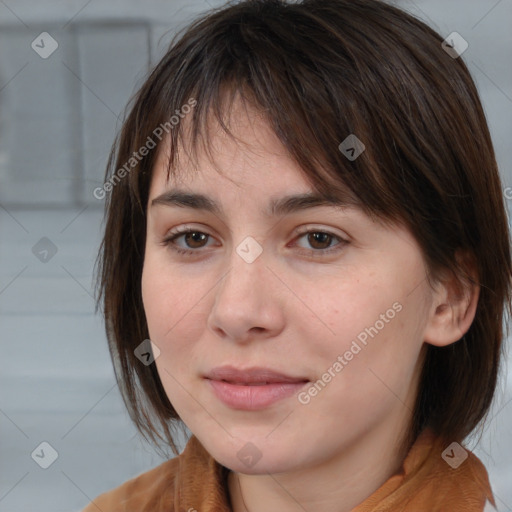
{"x":172,"y":305}
{"x":368,"y":368}
{"x":158,"y":292}
{"x":173,"y":320}
{"x":155,"y":298}
{"x":376,"y":323}
{"x":350,"y":306}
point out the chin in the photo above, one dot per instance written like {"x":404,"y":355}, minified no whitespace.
{"x":262,"y":467}
{"x":255,"y":457}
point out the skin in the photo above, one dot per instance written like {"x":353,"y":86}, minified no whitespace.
{"x":294,"y":312}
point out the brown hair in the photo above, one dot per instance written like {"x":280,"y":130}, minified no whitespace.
{"x":320,"y":70}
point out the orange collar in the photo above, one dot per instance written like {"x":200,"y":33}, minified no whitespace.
{"x":426,"y":483}
{"x":196,"y":482}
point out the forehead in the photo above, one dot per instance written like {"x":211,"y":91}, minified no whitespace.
{"x":274,"y":191}
{"x":249,"y":155}
{"x":247,"y":164}
{"x":284,"y":191}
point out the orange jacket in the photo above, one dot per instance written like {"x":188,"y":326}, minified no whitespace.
{"x":194,"y":481}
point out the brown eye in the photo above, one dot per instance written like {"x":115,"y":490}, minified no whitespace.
{"x":319,"y":240}
{"x":195,"y":239}
{"x":191,"y":241}
{"x":320,"y":243}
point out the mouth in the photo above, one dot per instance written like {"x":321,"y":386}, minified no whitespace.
{"x":255,"y":376}
{"x":253,"y":388}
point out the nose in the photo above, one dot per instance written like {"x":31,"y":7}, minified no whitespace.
{"x":248,"y":302}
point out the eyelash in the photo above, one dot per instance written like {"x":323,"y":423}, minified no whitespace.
{"x":169,"y":241}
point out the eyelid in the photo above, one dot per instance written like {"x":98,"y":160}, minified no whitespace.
{"x":176,"y":233}
{"x":308,"y":228}
{"x":342,"y":241}
{"x":303,"y":229}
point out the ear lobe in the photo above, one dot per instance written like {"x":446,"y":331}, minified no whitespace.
{"x":454,"y":305}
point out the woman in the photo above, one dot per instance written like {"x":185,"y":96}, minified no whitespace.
{"x":305,"y":217}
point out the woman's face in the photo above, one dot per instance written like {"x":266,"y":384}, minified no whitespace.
{"x":333,"y":304}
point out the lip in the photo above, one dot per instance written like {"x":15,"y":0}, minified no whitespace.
{"x":252,"y":388}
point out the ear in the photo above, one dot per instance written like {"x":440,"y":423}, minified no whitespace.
{"x":454,"y":305}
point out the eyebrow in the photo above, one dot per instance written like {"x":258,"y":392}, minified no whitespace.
{"x":277,"y":207}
